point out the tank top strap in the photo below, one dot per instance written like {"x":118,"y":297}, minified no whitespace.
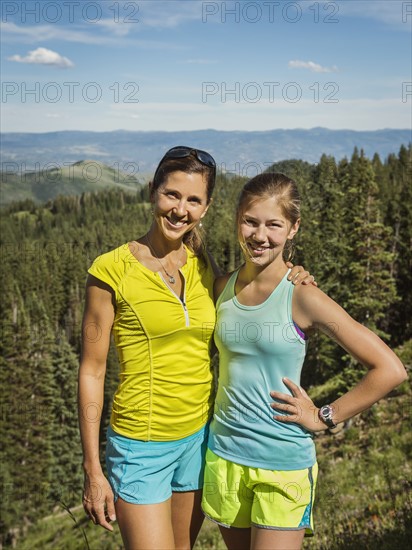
{"x":284,"y":285}
{"x":229,"y":291}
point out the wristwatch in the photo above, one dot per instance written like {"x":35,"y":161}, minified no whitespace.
{"x":326,"y":415}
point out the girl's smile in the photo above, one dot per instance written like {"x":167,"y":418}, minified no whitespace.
{"x":264,"y":230}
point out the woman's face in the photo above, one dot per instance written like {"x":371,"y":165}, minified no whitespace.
{"x":180,"y":203}
{"x":264,"y":230}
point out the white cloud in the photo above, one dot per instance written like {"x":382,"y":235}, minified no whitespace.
{"x":43,"y":56}
{"x":313,"y":67}
{"x":395,"y":13}
{"x":117,"y":28}
{"x":168,"y":13}
{"x":33,"y":34}
{"x":131,"y":20}
{"x":200,"y":61}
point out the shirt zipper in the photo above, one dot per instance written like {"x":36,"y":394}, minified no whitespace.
{"x":182,"y":302}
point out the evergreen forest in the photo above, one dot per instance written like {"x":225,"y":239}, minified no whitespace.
{"x":355,"y":237}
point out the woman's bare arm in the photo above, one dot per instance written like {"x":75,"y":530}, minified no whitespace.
{"x":97,"y":323}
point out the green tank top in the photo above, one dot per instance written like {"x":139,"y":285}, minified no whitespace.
{"x":258,"y":345}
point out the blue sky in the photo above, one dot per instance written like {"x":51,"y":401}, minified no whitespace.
{"x":189,"y":65}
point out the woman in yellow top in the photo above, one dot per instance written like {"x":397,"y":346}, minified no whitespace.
{"x":155,"y":295}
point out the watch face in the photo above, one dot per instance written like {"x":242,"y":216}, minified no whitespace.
{"x":326,"y":415}
{"x":326,"y":410}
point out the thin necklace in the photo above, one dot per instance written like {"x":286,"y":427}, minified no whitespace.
{"x":172,"y":280}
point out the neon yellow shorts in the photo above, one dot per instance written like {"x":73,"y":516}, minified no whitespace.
{"x":241,"y":496}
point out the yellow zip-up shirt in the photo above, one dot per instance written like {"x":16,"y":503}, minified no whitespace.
{"x":163,"y":344}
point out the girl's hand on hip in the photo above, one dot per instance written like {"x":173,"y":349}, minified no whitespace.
{"x":299,"y":407}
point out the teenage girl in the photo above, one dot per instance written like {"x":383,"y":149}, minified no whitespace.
{"x":261,"y":468}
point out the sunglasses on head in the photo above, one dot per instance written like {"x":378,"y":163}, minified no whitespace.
{"x":181,"y":151}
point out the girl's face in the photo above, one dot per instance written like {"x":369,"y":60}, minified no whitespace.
{"x":264,"y":230}
{"x":180,"y":203}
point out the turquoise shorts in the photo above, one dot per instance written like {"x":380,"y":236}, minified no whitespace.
{"x":147,"y":472}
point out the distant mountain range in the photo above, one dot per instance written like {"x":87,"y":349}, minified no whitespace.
{"x":245,"y":153}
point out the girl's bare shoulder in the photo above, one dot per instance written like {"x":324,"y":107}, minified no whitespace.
{"x":315,"y":308}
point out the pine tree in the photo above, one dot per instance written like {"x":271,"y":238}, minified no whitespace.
{"x":324,"y":250}
{"x":66,"y":472}
{"x":395,"y":183}
{"x":220,"y":223}
{"x":372,"y":288}
{"x":27,"y":386}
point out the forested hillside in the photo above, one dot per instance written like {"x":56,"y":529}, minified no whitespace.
{"x":47,"y":182}
{"x":355,"y":237}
